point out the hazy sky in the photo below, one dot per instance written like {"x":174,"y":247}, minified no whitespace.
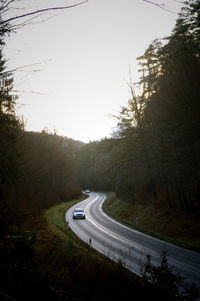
{"x":81,"y":59}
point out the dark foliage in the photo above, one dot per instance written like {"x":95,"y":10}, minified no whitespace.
{"x":153,"y":156}
{"x":165,"y":282}
{"x":155,"y":153}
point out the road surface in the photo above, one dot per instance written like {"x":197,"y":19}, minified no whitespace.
{"x":120,"y":242}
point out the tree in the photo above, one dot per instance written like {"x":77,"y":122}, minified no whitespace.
{"x":150,"y":69}
{"x":172,"y":113}
{"x":7,"y":6}
{"x":9,"y":128}
{"x":167,"y":283}
{"x":160,"y":125}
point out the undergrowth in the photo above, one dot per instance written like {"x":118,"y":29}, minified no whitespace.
{"x":46,"y":261}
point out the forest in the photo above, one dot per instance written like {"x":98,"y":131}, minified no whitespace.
{"x":153,"y":156}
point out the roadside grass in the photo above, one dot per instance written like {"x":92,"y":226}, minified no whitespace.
{"x":57,"y":225}
{"x":155,"y":219}
{"x":95,"y":276}
{"x":75,"y":269}
{"x":55,"y":217}
{"x":46,"y":261}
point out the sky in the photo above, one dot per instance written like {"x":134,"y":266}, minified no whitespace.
{"x":73,"y":65}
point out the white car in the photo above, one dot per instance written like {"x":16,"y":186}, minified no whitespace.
{"x":79,"y":213}
{"x":87,"y":191}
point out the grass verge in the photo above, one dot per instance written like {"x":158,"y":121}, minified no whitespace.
{"x":172,"y":225}
{"x":55,"y":217}
{"x":46,"y":261}
{"x":84,"y":273}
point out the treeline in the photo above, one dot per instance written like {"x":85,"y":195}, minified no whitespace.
{"x":37,"y":170}
{"x":47,"y":168}
{"x":154,"y":155}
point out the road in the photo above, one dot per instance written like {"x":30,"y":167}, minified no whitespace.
{"x":120,"y":242}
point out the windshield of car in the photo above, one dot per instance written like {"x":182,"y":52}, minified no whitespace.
{"x":78,"y":210}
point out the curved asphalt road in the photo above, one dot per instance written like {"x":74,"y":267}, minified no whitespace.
{"x":120,"y":242}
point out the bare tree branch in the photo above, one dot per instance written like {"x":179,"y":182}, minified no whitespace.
{"x":39,"y":11}
{"x":21,"y":68}
{"x":160,"y":6}
{"x":30,"y":91}
{"x":30,"y":21}
{"x":179,"y":1}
